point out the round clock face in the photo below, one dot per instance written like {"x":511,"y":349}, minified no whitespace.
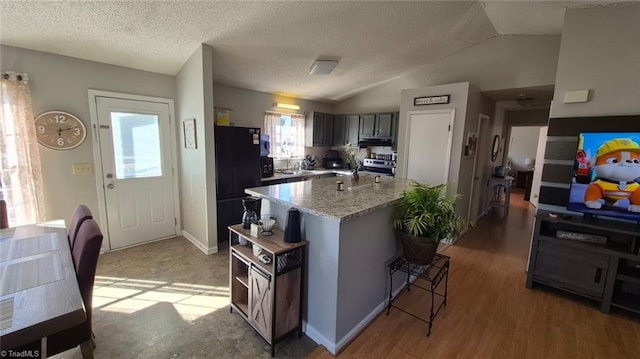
{"x":60,"y":130}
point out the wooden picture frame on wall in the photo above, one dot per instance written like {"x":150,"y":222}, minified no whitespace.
{"x":190,"y":138}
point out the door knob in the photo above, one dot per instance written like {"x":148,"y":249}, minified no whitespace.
{"x":110,"y":186}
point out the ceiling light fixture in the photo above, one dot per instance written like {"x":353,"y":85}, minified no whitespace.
{"x":287,"y":106}
{"x":322,"y":67}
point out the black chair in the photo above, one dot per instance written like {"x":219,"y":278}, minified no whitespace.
{"x":85,"y":258}
{"x":80,"y":214}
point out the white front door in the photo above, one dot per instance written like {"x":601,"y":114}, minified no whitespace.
{"x":135,"y":148}
{"x":430,"y":135}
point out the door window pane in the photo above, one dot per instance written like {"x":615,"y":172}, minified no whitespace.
{"x":136,"y":145}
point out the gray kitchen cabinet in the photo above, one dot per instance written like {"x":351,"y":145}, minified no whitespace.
{"x":319,"y":129}
{"x":384,"y":125}
{"x":353,"y":127}
{"x":396,"y":126}
{"x":379,"y":125}
{"x":340,"y":134}
{"x":367,"y":126}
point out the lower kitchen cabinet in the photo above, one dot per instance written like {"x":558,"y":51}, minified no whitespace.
{"x":267,"y":294}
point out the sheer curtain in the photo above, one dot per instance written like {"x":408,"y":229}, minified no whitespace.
{"x":20,"y":170}
{"x":286,"y":132}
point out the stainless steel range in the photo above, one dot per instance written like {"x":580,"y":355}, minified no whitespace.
{"x":381,"y":167}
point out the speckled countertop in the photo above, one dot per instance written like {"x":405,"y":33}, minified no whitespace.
{"x":303,"y":174}
{"x":320,"y":197}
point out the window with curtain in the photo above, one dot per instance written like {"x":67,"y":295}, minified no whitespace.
{"x":20,"y":170}
{"x":286,"y":133}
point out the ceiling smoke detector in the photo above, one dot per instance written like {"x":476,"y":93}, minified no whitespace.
{"x":322,"y":67}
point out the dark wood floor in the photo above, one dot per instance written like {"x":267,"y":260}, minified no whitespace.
{"x":490,"y":313}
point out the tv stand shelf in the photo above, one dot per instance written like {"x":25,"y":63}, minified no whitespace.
{"x":607,"y":272}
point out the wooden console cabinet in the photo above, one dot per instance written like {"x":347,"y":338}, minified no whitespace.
{"x":607,"y":272}
{"x":267,"y":296}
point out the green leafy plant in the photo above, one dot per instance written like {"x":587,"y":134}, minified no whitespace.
{"x":427,"y":211}
{"x":351,"y":153}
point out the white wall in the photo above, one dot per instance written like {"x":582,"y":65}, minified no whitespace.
{"x":61,"y":83}
{"x":194,"y":85}
{"x":501,"y":62}
{"x":523,"y":143}
{"x":600,"y":51}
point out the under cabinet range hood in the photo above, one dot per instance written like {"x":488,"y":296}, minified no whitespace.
{"x":366,"y":142}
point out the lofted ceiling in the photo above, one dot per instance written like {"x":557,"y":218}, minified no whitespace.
{"x":269,"y":46}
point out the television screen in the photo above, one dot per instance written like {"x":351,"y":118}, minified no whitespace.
{"x":606,"y":173}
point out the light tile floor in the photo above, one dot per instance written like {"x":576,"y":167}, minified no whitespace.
{"x":167,"y":299}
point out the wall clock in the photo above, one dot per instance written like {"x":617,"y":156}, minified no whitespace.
{"x":60,"y":130}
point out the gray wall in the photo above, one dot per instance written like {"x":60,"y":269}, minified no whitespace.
{"x":248,"y":107}
{"x":61,"y":83}
{"x":197,"y":166}
{"x":600,"y":51}
{"x":498,"y":63}
{"x":523,"y":143}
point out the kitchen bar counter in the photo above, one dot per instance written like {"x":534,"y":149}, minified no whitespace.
{"x":302,"y":174}
{"x":320,"y":197}
{"x":350,"y":243}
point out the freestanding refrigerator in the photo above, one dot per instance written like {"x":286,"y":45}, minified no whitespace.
{"x":237,"y":168}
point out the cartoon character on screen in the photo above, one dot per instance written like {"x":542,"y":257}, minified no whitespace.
{"x":617,"y":167}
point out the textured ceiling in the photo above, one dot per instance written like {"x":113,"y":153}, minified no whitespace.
{"x":269,"y":46}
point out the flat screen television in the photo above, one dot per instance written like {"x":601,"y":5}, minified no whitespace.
{"x":606,"y":175}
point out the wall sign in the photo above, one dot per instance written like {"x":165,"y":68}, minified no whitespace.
{"x":431,"y":100}
{"x":189,"y":127}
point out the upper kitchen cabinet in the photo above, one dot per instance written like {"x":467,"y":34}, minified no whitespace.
{"x":340,"y":133}
{"x":319,"y":129}
{"x":367,"y":126}
{"x":379,"y":125}
{"x":353,"y":128}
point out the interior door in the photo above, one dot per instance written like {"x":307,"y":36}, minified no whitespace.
{"x":537,"y":172}
{"x":480,"y":164}
{"x":135,"y":147}
{"x":429,"y":148}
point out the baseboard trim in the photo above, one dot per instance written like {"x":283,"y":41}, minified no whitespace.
{"x":199,"y":245}
{"x":315,"y":335}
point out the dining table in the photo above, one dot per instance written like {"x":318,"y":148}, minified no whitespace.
{"x":39,"y":293}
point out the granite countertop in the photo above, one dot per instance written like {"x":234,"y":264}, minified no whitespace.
{"x":320,"y":197}
{"x":304,"y":174}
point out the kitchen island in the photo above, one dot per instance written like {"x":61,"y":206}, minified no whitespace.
{"x":350,"y":243}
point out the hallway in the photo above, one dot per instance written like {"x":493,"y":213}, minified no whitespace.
{"x":490,"y":313}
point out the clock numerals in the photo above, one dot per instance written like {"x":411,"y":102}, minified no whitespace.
{"x":60,"y":119}
{"x":60,"y":141}
{"x":41,"y":129}
{"x":76,"y":132}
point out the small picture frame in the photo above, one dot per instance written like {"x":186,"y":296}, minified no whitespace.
{"x":471,"y":145}
{"x":189,"y":127}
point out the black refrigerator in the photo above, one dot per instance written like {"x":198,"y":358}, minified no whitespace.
{"x":237,"y":168}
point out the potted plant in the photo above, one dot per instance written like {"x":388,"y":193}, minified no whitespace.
{"x":352,"y":158}
{"x":423,"y":217}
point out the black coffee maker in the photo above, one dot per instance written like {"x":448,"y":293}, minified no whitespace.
{"x":251,"y":209}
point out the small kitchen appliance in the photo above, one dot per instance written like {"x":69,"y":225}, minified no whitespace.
{"x":292,"y":232}
{"x":266,"y":166}
{"x":251,"y":207}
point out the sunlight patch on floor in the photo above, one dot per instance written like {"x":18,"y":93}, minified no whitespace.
{"x":126,"y":295}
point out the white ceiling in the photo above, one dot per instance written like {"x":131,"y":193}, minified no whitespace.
{"x":269,"y":46}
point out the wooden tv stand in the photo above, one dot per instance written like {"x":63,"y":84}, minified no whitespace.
{"x":608,"y":273}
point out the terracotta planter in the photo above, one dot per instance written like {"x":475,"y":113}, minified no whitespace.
{"x":417,"y":250}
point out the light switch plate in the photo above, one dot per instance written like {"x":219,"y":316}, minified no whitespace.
{"x":82,"y":169}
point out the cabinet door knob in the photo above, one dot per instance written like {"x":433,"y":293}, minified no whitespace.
{"x":598,"y":275}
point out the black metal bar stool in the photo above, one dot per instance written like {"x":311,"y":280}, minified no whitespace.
{"x":433,"y":274}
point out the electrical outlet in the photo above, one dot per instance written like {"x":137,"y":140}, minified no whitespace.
{"x":82,"y":169}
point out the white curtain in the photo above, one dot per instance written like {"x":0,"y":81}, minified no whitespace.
{"x":286,"y":133}
{"x":20,"y":170}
